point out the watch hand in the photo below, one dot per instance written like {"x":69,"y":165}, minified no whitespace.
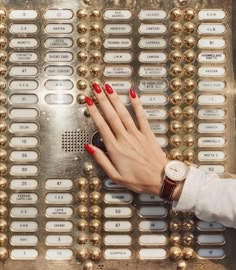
{"x":173,"y":169}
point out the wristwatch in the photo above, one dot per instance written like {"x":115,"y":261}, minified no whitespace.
{"x":175,"y":173}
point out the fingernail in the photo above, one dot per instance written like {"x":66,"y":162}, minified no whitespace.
{"x":132,"y":93}
{"x":89,"y":149}
{"x":108,"y":89}
{"x":89,"y":101}
{"x":97,"y":88}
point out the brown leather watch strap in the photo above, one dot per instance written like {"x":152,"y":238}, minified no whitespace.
{"x":167,"y":189}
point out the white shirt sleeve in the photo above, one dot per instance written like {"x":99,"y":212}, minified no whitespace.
{"x":209,"y":197}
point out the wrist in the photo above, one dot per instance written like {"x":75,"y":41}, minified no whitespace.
{"x":177,"y":192}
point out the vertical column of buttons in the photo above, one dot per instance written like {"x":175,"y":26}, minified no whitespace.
{"x":117,"y":55}
{"x":212,"y":115}
{"x":117,"y":225}
{"x":152,"y":72}
{"x":89,"y":55}
{"x":23,"y":112}
{"x":212,"y":87}
{"x":58,"y":67}
{"x":3,"y":138}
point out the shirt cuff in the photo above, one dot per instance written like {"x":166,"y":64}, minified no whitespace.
{"x":190,"y":191}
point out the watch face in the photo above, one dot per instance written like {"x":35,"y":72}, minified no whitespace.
{"x":176,"y":170}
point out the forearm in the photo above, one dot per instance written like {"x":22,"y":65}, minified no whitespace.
{"x":210,"y":198}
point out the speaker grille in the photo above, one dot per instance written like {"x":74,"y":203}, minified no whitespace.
{"x":74,"y":140}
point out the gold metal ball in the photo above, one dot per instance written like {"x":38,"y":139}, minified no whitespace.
{"x":175,"y":112}
{"x":95,"y":253}
{"x":88,"y":168}
{"x":3,"y":253}
{"x":175,"y":28}
{"x":3,"y":225}
{"x":95,"y":225}
{"x":86,"y":113}
{"x":3,"y":43}
{"x":95,"y":15}
{"x":176,"y":56}
{"x":3,"y":28}
{"x":3,"y":140}
{"x":3,"y":155}
{"x":182,"y":265}
{"x":95,"y":183}
{"x":189,"y":126}
{"x":95,"y":211}
{"x":189,"y":14}
{"x":175,"y":253}
{"x":189,"y":56}
{"x":189,"y":70}
{"x":188,"y":253}
{"x":95,"y":197}
{"x":175,"y":225}
{"x":81,"y":98}
{"x":188,"y":225}
{"x":95,"y":70}
{"x":3,"y":169}
{"x":89,"y":266}
{"x":95,"y":28}
{"x":189,"y":42}
{"x":3,"y":239}
{"x":81,"y":183}
{"x":182,"y":3}
{"x":175,"y":239}
{"x":88,"y":2}
{"x":82,"y":254}
{"x":82,"y":28}
{"x":3,"y":183}
{"x":176,"y":70}
{"x":189,"y":155}
{"x":82,"y":71}
{"x":3,"y":211}
{"x":82,"y":42}
{"x":189,"y":85}
{"x":3,"y":99}
{"x":189,"y":112}
{"x":3,"y":14}
{"x":189,"y":140}
{"x":176,"y":84}
{"x":175,"y":140}
{"x":95,"y":239}
{"x":81,"y":197}
{"x":175,"y":126}
{"x":82,"y":56}
{"x":82,"y":225}
{"x":3,"y":113}
{"x":96,"y":57}
{"x":3,"y":71}
{"x":188,"y":214}
{"x":176,"y":14}
{"x":176,"y":98}
{"x":82,"y":238}
{"x":82,"y":211}
{"x":3,"y":57}
{"x":189,"y":28}
{"x":176,"y":42}
{"x":176,"y":154}
{"x":82,"y":85}
{"x":188,"y":239}
{"x":189,"y":98}
{"x":3,"y":85}
{"x":95,"y":42}
{"x":82,"y":14}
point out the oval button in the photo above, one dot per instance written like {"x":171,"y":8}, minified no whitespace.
{"x":24,"y":226}
{"x":23,"y":99}
{"x":210,"y":28}
{"x":117,"y":240}
{"x":24,"y":198}
{"x":24,"y":113}
{"x":58,"y":14}
{"x":58,"y":28}
{"x":211,"y":14}
{"x":23,"y":71}
{"x":152,"y":29}
{"x":27,"y":57}
{"x":152,"y":240}
{"x":117,"y":254}
{"x":152,"y":71}
{"x":59,"y":56}
{"x":59,"y":99}
{"x":153,"y":100}
{"x":24,"y":212}
{"x":117,"y":71}
{"x":24,"y":254}
{"x":152,"y":14}
{"x":23,"y":28}
{"x":211,"y":99}
{"x":59,"y":184}
{"x":23,"y":43}
{"x":24,"y":127}
{"x":155,"y":113}
{"x":24,"y":85}
{"x":117,"y":226}
{"x":117,"y":57}
{"x":23,"y":14}
{"x":59,"y":85}
{"x":211,"y":128}
{"x":117,"y":14}
{"x":211,"y":142}
{"x":211,"y":43}
{"x":211,"y":57}
{"x":152,"y":57}
{"x":159,"y":127}
{"x":58,"y":42}
{"x":118,"y":198}
{"x":211,"y":85}
{"x":211,"y":156}
{"x":59,"y":198}
{"x":24,"y":170}
{"x":59,"y":70}
{"x":24,"y":141}
{"x":117,"y":29}
{"x":211,"y":71}
{"x":24,"y":240}
{"x":24,"y":156}
{"x":152,"y":43}
{"x":59,"y":226}
{"x":59,"y":240}
{"x":211,"y":114}
{"x":114,"y":43}
{"x":23,"y":184}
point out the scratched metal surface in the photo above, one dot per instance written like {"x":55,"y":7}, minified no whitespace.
{"x":56,"y":163}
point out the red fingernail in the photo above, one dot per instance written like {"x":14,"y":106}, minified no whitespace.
{"x":132,"y":93}
{"x":89,"y":149}
{"x":108,"y":89}
{"x":89,"y":101}
{"x":97,"y":88}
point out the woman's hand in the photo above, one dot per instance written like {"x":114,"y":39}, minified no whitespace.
{"x":134,"y":159}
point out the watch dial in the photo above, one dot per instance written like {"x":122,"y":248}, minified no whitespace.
{"x":176,"y":171}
